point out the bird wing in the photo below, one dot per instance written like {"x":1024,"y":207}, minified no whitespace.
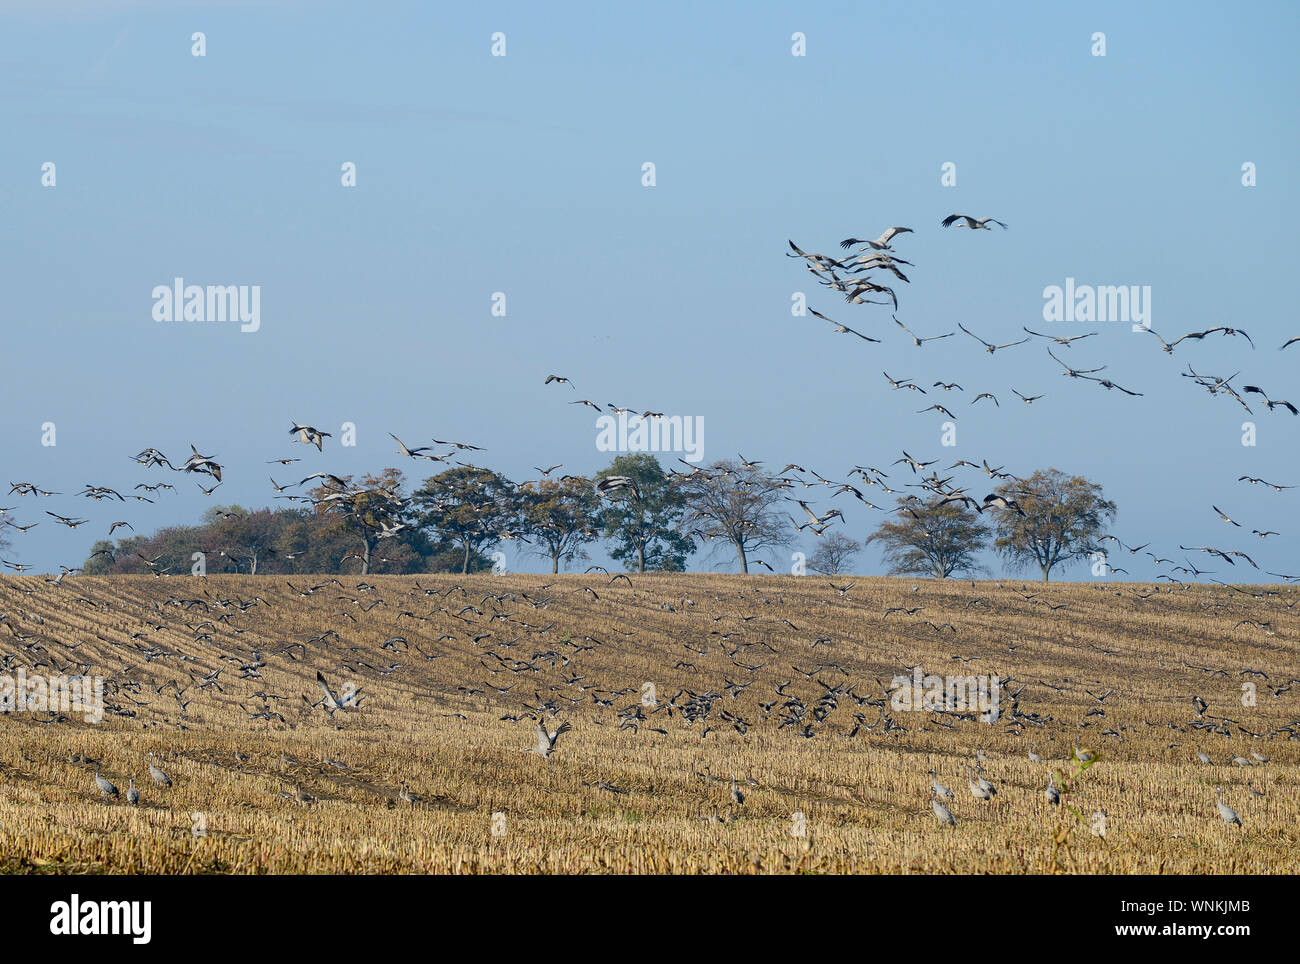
{"x":330,"y":699}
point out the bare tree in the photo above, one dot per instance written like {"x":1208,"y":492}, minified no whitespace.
{"x":833,"y":553}
{"x":736,"y":502}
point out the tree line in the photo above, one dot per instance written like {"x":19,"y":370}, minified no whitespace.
{"x":649,"y":519}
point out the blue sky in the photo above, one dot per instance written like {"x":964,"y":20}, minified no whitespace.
{"x":522,"y":174}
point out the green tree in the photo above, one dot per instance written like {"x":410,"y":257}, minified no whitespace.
{"x":1051,"y":519}
{"x":101,"y":559}
{"x":932,"y":538}
{"x":735,"y":502}
{"x":471,"y":507}
{"x":561,"y":516}
{"x":644,"y":528}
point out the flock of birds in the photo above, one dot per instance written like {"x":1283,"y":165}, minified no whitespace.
{"x":982,"y":789}
{"x":867,"y":273}
{"x":858,"y":276}
{"x":513,"y":645}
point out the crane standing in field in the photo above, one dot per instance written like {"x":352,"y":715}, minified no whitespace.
{"x":160,"y":778}
{"x":940,"y":791}
{"x":942,"y":813}
{"x":108,"y":790}
{"x":980,"y":788}
{"x":1229,"y":815}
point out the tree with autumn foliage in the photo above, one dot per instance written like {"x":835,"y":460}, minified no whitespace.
{"x":932,"y":538}
{"x":372,"y":510}
{"x":1051,"y":519}
{"x":245,"y":537}
{"x":473,"y":508}
{"x":560,"y":517}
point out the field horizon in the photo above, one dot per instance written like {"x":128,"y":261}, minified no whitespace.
{"x":673,"y":684}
